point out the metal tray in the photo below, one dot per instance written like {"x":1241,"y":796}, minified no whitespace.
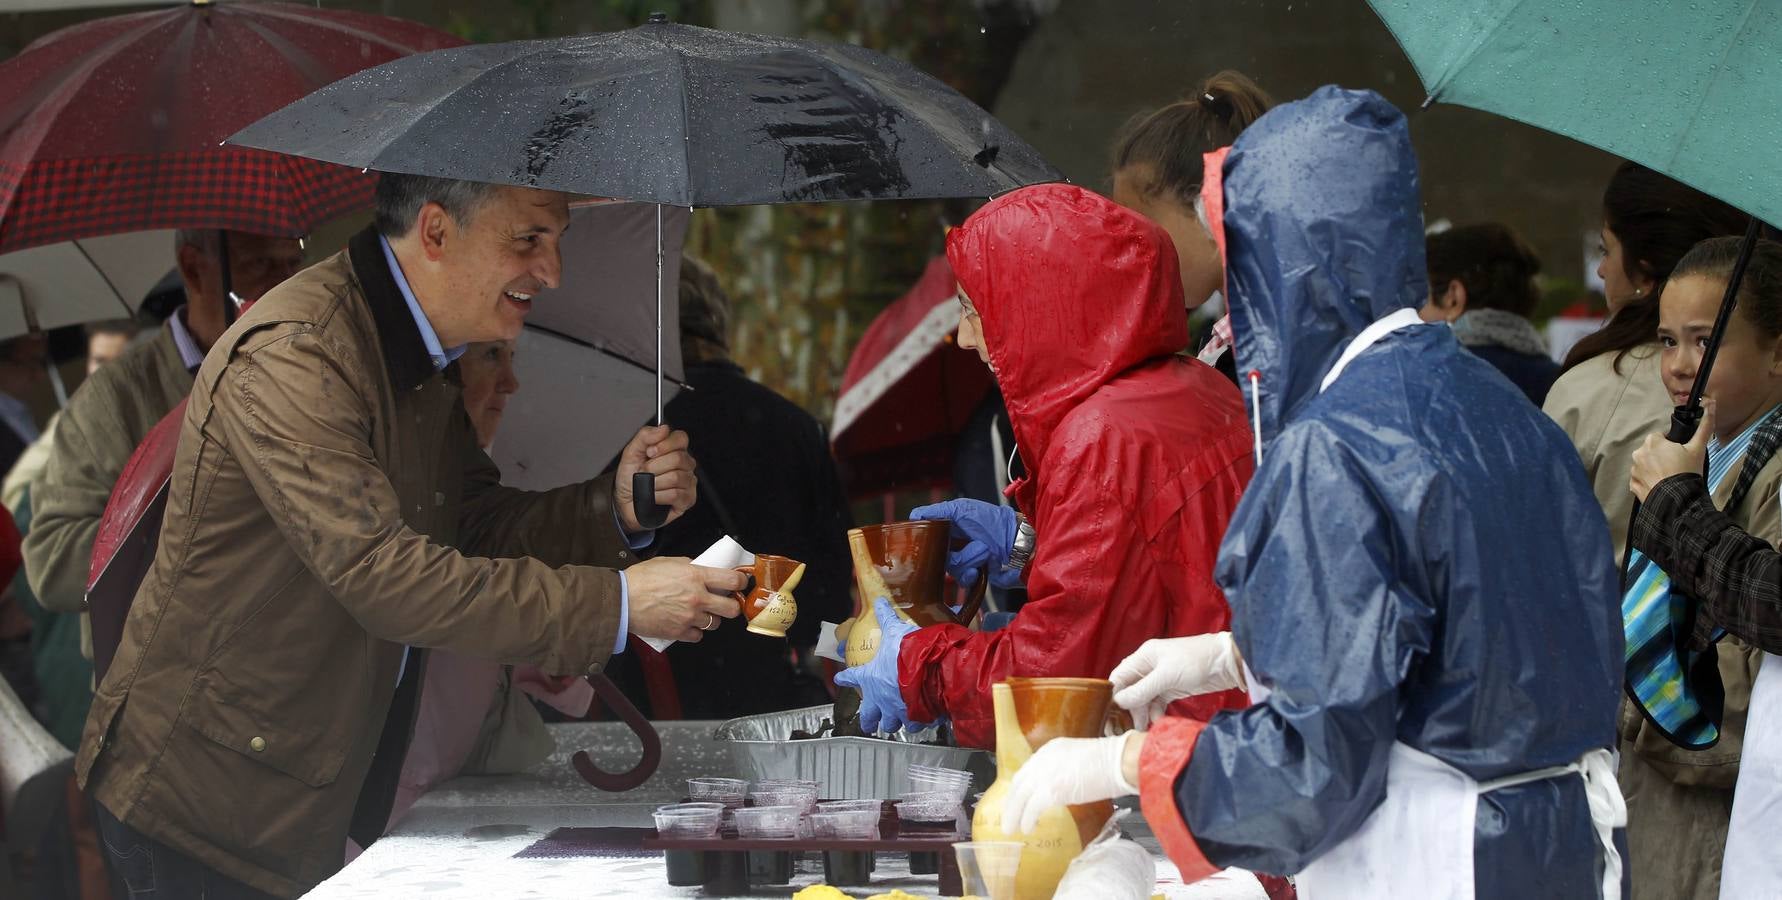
{"x":845,"y":768}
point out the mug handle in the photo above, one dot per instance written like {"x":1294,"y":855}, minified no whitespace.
{"x":1118,"y":722}
{"x":743,"y":595}
{"x":974,"y":597}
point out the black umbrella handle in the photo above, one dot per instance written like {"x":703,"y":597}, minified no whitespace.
{"x":650,"y":514}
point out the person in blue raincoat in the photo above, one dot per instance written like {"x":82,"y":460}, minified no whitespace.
{"x":1424,"y":599}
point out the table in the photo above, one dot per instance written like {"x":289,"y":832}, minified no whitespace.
{"x":460,"y":838}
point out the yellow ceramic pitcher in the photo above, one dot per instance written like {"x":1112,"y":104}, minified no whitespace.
{"x":1030,"y":712}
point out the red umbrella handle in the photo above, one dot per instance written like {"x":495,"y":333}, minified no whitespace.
{"x":615,"y":782}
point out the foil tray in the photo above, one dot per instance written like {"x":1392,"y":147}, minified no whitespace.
{"x":845,"y":768}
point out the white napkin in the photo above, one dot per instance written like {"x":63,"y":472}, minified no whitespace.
{"x":827,"y":646}
{"x":725,"y":554}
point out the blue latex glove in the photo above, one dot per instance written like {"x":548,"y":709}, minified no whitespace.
{"x":882,"y":709}
{"x":990,"y":530}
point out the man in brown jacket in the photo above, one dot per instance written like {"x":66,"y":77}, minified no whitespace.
{"x":326,"y":471}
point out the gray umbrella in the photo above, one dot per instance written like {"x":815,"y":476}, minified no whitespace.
{"x":665,"y":113}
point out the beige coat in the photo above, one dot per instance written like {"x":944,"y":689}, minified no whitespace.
{"x":1608,"y":415}
{"x":92,"y":440}
{"x":1678,"y":801}
{"x":323,"y":470}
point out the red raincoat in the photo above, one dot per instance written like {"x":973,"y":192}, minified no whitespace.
{"x":1136,"y":456}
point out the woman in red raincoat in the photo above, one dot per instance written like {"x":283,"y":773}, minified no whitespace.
{"x":1135,"y":460}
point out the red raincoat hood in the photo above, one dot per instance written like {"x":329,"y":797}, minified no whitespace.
{"x":1073,"y":290}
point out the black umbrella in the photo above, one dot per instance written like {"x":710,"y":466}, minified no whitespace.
{"x":664,"y":113}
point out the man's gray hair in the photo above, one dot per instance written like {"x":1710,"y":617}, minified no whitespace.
{"x":400,"y":198}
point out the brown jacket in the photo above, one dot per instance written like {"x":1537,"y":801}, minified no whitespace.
{"x":323,"y":470}
{"x":1679,"y":802}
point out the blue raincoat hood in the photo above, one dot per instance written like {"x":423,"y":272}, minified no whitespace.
{"x":1323,"y":235}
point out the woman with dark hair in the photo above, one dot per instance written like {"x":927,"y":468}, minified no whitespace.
{"x":1481,"y":282}
{"x":1609,"y":394}
{"x":1157,"y":173}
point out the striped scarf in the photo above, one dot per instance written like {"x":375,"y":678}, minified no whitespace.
{"x":1657,"y":620}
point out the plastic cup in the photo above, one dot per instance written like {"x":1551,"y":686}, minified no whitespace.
{"x":688,"y":819}
{"x":728,"y":791}
{"x":928,"y":806}
{"x":769,"y":821}
{"x":847,"y":825}
{"x":988,"y":868}
{"x":802,"y":796}
{"x":877,"y":806}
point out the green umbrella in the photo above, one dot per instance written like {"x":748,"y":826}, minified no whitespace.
{"x":1690,"y":90}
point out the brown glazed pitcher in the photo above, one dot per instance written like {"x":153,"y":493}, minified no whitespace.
{"x":769,"y":606}
{"x":1029,"y":713}
{"x":907,"y":563}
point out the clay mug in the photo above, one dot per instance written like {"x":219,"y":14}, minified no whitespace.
{"x":769,"y":606}
{"x":905,"y":562}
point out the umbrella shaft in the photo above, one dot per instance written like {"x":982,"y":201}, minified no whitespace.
{"x":659,"y":288}
{"x":1726,"y":307}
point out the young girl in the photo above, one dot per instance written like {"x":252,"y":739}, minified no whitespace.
{"x":1680,"y":800}
{"x":1157,"y":163}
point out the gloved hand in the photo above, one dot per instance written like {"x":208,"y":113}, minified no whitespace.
{"x":990,"y":531}
{"x":1065,"y":771}
{"x":882,"y":709}
{"x":1165,"y":670}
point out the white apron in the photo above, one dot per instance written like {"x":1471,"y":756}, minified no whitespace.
{"x":1419,"y":842}
{"x":1752,"y":867}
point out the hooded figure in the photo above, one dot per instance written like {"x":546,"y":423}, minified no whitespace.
{"x":1136,"y":458}
{"x":1421,"y":582}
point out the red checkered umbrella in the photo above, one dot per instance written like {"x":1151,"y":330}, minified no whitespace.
{"x":116,"y":124}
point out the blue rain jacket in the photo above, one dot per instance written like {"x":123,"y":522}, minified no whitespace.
{"x":1419,"y":557}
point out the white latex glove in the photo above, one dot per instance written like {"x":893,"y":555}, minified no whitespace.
{"x":1064,"y":772}
{"x":1163,"y":671}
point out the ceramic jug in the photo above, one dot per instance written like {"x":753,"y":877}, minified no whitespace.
{"x":1029,"y":713}
{"x":906,"y":562}
{"x":769,"y":606}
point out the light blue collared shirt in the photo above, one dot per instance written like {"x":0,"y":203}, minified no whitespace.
{"x":443,"y":357}
{"x":190,"y":355}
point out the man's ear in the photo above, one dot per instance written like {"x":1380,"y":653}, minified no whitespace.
{"x":435,"y":228}
{"x":194,"y":269}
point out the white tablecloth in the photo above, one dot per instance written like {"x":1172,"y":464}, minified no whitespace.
{"x":458,"y":842}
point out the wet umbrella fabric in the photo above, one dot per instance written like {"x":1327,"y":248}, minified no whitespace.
{"x":667,"y":113}
{"x":113,"y":125}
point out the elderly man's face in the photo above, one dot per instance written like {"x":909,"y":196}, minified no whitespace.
{"x":487,"y":370}
{"x":492,"y":265}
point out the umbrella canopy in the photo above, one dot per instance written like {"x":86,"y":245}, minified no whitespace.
{"x":80,"y":281}
{"x":666,"y":113}
{"x":1687,"y":89}
{"x":908,"y":390}
{"x":114,"y":125}
{"x":584,"y":359}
